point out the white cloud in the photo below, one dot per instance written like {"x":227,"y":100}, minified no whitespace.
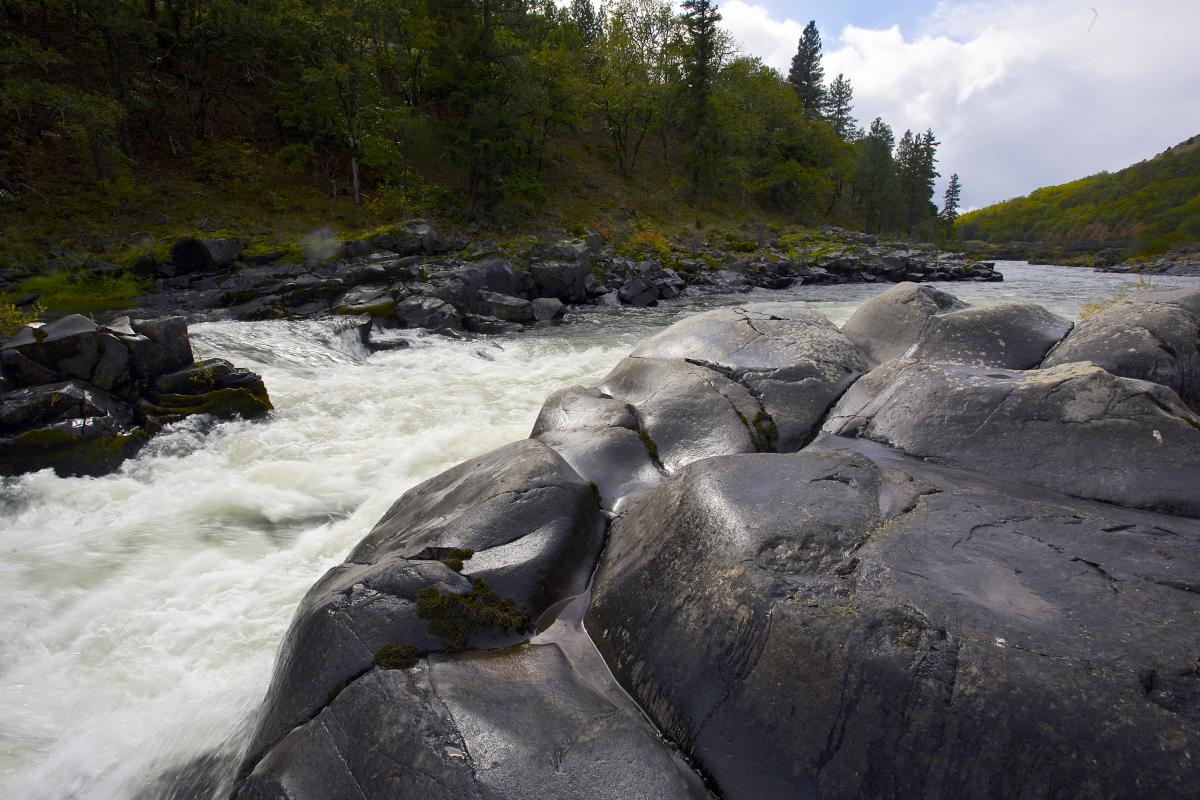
{"x":1021,"y":93}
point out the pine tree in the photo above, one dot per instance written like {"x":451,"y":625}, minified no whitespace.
{"x":916,"y":157}
{"x":950,"y":204}
{"x":586,"y":20}
{"x":837,"y":106}
{"x":807,"y":75}
{"x":700,"y":18}
{"x":875,"y":181}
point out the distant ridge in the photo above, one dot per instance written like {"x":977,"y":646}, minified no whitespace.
{"x":1146,"y":209}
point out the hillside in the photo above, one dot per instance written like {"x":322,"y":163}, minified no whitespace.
{"x":1145,"y":209}
{"x":127,"y":123}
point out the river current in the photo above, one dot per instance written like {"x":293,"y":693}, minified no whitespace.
{"x":140,"y":612}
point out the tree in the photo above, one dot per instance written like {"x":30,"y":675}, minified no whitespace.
{"x":916,"y":157}
{"x":586,"y":20}
{"x":630,"y":79}
{"x":837,"y":106}
{"x":807,"y":75}
{"x":950,"y":203}
{"x":704,"y":55}
{"x":875,"y":180}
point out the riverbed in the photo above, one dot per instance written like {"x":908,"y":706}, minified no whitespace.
{"x":140,"y":612}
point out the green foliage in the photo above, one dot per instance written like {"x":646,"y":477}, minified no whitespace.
{"x":807,"y":75}
{"x":396,"y":656}
{"x":275,"y":117}
{"x":1152,"y":206}
{"x":453,"y":617}
{"x":455,"y":558}
{"x":648,"y":244}
{"x":13,"y":318}
{"x":80,"y":290}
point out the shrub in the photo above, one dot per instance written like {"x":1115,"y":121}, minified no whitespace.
{"x":13,"y":318}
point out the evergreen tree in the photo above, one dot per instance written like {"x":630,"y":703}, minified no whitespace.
{"x":916,"y":157}
{"x":700,"y":18}
{"x":950,"y":204}
{"x":875,"y":180}
{"x":586,"y":20}
{"x":837,"y":106}
{"x":807,"y":75}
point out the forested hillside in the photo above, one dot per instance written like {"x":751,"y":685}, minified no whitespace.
{"x":124,"y":122}
{"x":1148,"y":208}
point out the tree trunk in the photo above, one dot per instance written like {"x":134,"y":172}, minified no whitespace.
{"x":354,"y":180}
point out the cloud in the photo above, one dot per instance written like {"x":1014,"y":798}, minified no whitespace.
{"x":1022,"y":93}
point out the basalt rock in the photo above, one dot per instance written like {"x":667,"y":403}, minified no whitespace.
{"x":90,"y":396}
{"x":887,"y":325}
{"x":1073,"y":428}
{"x":793,"y":361}
{"x":1154,"y":336}
{"x":503,"y":725}
{"x":839,"y":624}
{"x":1007,"y":335}
{"x":518,"y":520}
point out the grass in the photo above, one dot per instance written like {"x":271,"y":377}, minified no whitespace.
{"x":1124,"y":293}
{"x":78,"y":291}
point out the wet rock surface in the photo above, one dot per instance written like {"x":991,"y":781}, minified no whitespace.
{"x":80,"y":397}
{"x":1073,"y":428}
{"x":961,"y":573}
{"x":834,"y":624}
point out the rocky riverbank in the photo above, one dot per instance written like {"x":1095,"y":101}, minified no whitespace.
{"x":81,"y":398}
{"x":412,"y":277}
{"x":943,"y":550}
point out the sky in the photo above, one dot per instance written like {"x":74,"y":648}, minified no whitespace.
{"x":1021,"y":93}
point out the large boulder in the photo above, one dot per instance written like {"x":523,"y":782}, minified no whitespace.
{"x":70,"y":347}
{"x":793,"y":361}
{"x":190,"y":254}
{"x":1073,"y":428}
{"x":1007,"y":335}
{"x":1155,"y":336}
{"x":502,"y":725}
{"x":427,"y":312}
{"x":599,"y":437}
{"x":827,"y":624}
{"x":687,"y":412}
{"x":505,"y":307}
{"x":93,"y":445}
{"x":416,"y":237}
{"x":566,"y":281}
{"x":518,"y":519}
{"x":887,"y":325}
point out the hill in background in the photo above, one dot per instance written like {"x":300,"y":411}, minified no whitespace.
{"x":1143,"y":210}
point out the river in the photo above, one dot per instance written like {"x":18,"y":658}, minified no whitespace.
{"x":140,"y":612}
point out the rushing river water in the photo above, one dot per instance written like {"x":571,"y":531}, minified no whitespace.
{"x":140,"y":612}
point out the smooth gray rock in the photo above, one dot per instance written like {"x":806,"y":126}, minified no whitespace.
{"x":687,"y":412}
{"x":597,"y":435}
{"x":792,"y":360}
{"x":535,"y":530}
{"x":1155,"y":336}
{"x":416,"y":237}
{"x":1007,"y":335}
{"x":1073,"y":428}
{"x":71,"y":347}
{"x":505,"y":725}
{"x":826,"y":624}
{"x":887,"y":325}
{"x":377,"y":301}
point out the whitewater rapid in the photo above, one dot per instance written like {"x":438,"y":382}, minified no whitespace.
{"x":140,"y":612}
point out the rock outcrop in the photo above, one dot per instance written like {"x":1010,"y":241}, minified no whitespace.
{"x":961,"y":574}
{"x":1153,"y":336}
{"x":84,"y":397}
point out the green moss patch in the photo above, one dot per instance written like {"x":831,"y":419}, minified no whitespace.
{"x":453,"y":617}
{"x":396,"y":656}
